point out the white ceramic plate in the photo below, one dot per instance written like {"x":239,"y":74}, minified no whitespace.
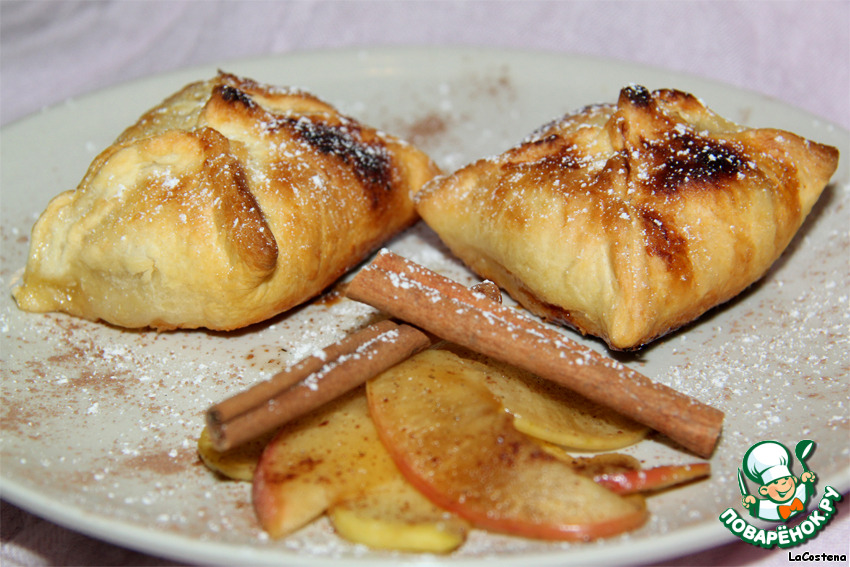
{"x":100,"y":424}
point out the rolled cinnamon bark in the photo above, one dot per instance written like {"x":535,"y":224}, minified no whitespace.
{"x":451,"y":311}
{"x":314,"y":381}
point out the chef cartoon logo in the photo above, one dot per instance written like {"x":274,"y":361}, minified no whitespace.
{"x":779,"y":496}
{"x":783,"y":495}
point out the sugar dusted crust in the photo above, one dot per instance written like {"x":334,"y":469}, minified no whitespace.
{"x":629,"y":220}
{"x":230,"y":202}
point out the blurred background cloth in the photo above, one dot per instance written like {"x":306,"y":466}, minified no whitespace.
{"x":795,"y":51}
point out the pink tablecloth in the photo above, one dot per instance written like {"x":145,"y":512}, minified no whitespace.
{"x":797,"y":52}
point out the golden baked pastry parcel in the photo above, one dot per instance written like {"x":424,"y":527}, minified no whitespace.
{"x":629,"y":220}
{"x":228,"y":203}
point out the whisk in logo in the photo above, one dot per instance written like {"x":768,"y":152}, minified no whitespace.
{"x":780,"y":496}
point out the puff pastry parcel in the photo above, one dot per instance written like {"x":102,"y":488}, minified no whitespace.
{"x":629,"y":220}
{"x":229,"y":203}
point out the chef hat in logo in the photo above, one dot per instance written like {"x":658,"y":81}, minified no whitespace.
{"x":767,"y":461}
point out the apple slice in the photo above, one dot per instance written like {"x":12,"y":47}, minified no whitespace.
{"x":652,"y":479}
{"x":453,"y":441}
{"x":623,"y":473}
{"x":596,"y":465}
{"x":552,"y":413}
{"x":317,"y":461}
{"x":396,"y":516}
{"x":332,"y":460}
{"x":238,"y":463}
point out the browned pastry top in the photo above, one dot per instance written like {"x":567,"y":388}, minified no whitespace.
{"x":627,"y":221}
{"x":228,"y":203}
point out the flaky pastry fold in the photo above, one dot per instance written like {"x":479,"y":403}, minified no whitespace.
{"x":628,"y":220}
{"x":230,"y":202}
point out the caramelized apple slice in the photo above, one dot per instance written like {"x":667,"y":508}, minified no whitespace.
{"x":332,"y":460}
{"x":453,"y":441}
{"x":396,"y":516}
{"x":623,"y":473}
{"x":326,"y":457}
{"x":652,"y":479}
{"x":236,"y":464}
{"x":552,"y":413}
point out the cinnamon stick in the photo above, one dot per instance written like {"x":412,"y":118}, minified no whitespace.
{"x":314,"y":381}
{"x":446,"y":308}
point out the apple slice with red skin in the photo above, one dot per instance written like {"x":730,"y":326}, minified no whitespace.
{"x":453,"y":441}
{"x":652,"y":479}
{"x":317,"y":461}
{"x":332,"y":461}
{"x":623,"y":473}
